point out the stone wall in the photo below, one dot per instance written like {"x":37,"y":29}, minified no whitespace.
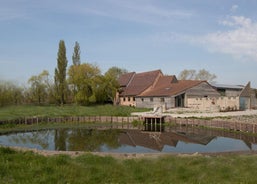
{"x":214,"y":104}
{"x":152,"y":102}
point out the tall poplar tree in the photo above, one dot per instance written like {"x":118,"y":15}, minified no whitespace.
{"x":60,"y":73}
{"x":76,"y":54}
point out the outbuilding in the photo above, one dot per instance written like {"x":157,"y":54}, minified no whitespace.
{"x":170,"y":93}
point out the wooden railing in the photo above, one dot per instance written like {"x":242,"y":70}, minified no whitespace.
{"x":79,"y":119}
{"x":235,"y":126}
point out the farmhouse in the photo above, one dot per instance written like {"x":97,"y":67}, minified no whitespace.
{"x":133,"y":84}
{"x":153,"y":89}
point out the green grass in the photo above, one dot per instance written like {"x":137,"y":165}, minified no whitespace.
{"x":27,"y":167}
{"x":15,"y":112}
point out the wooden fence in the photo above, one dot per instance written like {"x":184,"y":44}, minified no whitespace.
{"x":235,"y":126}
{"x":81,"y":119}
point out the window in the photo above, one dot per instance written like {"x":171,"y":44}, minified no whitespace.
{"x":151,"y":99}
{"x":134,"y":99}
{"x":129,"y":99}
{"x":161,"y":99}
{"x":142,"y":99}
{"x":124,"y":99}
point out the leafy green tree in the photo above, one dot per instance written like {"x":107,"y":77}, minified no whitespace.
{"x":76,"y":62}
{"x":17,"y":94}
{"x":39,"y":87}
{"x":60,"y":74}
{"x":101,"y":89}
{"x":10,"y":94}
{"x":115,"y":72}
{"x":84,"y":77}
{"x":110,"y":83}
{"x":76,"y":54}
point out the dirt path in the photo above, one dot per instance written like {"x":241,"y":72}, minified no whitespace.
{"x":235,"y":116}
{"x":212,"y":114}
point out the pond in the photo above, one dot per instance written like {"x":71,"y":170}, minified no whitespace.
{"x":169,"y":139}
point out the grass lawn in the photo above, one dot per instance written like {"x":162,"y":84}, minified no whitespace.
{"x":28,"y":167}
{"x":15,"y":112}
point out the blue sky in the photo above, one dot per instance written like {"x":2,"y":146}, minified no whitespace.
{"x":138,"y":35}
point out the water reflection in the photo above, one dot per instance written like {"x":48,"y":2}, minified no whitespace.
{"x":170,"y":139}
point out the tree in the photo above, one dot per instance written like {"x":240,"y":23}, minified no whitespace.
{"x":115,"y":72}
{"x":76,"y":54}
{"x":110,"y":83}
{"x":76,"y":62}
{"x":10,"y":93}
{"x":60,"y":74}
{"x":84,"y":78}
{"x":39,"y":87}
{"x":200,"y":75}
{"x":205,"y":75}
{"x":187,"y":75}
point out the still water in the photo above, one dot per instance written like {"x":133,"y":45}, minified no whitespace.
{"x":172,"y":139}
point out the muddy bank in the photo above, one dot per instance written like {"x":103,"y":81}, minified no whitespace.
{"x":130,"y":155}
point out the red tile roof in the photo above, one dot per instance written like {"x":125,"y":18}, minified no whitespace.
{"x":168,"y":86}
{"x":153,"y":83}
{"x":138,"y":82}
{"x":125,"y":78}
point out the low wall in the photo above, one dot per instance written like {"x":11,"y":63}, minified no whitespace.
{"x":220,"y":103}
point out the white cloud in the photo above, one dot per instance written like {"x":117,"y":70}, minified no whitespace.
{"x":240,"y":39}
{"x":235,"y":21}
{"x":234,"y":8}
{"x":240,"y":42}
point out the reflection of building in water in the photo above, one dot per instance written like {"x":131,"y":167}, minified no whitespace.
{"x":157,"y":140}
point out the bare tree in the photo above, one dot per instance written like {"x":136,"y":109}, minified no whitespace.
{"x":194,"y":75}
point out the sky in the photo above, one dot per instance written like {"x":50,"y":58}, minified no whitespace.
{"x":138,"y":35}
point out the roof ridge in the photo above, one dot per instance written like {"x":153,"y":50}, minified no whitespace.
{"x":131,"y":79}
{"x":150,"y":71}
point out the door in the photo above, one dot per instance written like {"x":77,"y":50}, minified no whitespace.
{"x":179,"y":100}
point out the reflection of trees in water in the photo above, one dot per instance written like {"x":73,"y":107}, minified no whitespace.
{"x":40,"y":138}
{"x":60,"y":139}
{"x":85,"y":139}
{"x":69,"y":139}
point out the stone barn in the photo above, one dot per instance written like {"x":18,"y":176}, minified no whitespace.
{"x":171,"y":93}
